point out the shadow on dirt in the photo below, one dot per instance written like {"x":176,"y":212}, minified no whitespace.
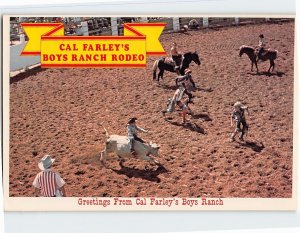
{"x":167,"y":87}
{"x":31,"y":72}
{"x":253,"y":145}
{"x":202,"y":116}
{"x":150,"y":175}
{"x":190,"y":126}
{"x":204,"y":89}
{"x":278,"y":74}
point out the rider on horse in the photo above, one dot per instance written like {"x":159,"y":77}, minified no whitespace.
{"x":261,"y":45}
{"x":176,"y":57}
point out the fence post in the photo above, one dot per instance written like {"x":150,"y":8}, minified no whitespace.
{"x":236,"y":20}
{"x":84,"y":28}
{"x":114,"y":26}
{"x":22,"y":38}
{"x":205,"y":22}
{"x":176,"y":25}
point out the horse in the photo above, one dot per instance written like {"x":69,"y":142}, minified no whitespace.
{"x":266,"y":55}
{"x":162,"y":65}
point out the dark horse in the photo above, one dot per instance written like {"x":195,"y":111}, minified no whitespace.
{"x":266,"y":55}
{"x":161,"y":65}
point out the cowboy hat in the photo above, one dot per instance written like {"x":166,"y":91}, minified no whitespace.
{"x":45,"y":162}
{"x":237,"y":104}
{"x":132,"y":120}
{"x":187,"y":71}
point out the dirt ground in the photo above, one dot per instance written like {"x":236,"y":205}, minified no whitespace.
{"x":59,"y":111}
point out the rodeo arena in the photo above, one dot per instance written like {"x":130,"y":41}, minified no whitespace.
{"x":211,"y":118}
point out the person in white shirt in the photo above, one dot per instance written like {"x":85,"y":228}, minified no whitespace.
{"x":132,"y":129}
{"x":261,"y":45}
{"x":176,"y":57}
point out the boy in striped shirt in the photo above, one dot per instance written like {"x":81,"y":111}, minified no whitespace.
{"x":48,"y":183}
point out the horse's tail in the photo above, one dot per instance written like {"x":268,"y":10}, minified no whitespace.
{"x":276,"y":53}
{"x":154,"y":68}
{"x":106,"y":132}
{"x":272,"y":54}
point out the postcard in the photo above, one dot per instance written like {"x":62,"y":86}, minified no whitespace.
{"x":143,"y":113}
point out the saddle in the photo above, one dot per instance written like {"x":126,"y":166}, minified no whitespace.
{"x":264,"y":51}
{"x":178,"y":60}
{"x":170,"y":61}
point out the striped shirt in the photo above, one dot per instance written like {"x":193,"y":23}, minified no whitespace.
{"x":48,"y":182}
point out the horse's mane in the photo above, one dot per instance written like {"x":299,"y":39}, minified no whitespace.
{"x":246,"y":47}
{"x":187,"y":53}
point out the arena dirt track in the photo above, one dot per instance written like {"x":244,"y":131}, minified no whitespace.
{"x":59,"y":111}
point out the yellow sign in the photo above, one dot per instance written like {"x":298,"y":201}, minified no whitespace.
{"x":57,"y":50}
